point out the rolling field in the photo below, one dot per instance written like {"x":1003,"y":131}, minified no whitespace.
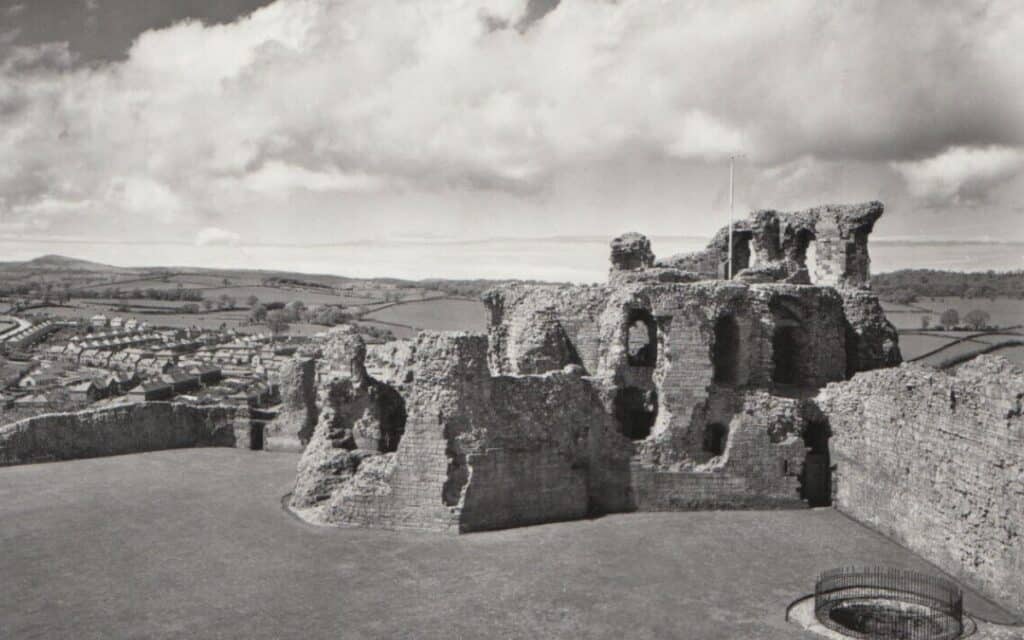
{"x":399,"y":331}
{"x":277,"y":294}
{"x":443,"y":314}
{"x":1005,"y":312}
{"x":913,"y":345}
{"x":1013,"y":354}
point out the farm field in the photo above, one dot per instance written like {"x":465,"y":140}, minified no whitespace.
{"x":277,"y":294}
{"x":1005,"y":312}
{"x":953,"y":351}
{"x":442,"y":314}
{"x":913,"y":345}
{"x":399,"y":331}
{"x":1013,"y":354}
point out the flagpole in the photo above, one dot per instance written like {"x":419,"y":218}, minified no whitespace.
{"x":732,"y":167}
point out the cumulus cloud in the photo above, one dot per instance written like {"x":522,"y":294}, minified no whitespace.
{"x":961,"y":174}
{"x":359,"y":96}
{"x":277,"y":177}
{"x":213,"y":236}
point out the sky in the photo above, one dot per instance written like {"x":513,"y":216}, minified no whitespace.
{"x":413,"y":137}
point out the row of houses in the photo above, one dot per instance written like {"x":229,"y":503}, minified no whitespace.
{"x":26,"y":336}
{"x":101,"y":321}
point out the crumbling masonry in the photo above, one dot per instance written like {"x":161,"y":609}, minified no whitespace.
{"x":669,"y":387}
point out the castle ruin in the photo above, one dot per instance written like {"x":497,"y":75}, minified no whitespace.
{"x":668,"y":388}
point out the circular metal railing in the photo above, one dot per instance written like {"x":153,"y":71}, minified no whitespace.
{"x":876,"y":603}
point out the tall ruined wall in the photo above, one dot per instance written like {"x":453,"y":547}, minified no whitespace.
{"x":133,"y":428}
{"x":937,"y":462}
{"x":477,"y":451}
{"x":293,"y":426}
{"x":760,"y":467}
{"x":532,"y":328}
{"x":872,"y":342}
{"x":771,"y":246}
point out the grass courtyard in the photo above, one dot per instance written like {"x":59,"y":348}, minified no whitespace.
{"x":195,"y":544}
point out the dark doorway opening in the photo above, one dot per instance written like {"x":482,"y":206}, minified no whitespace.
{"x":636,"y":410}
{"x":725,"y":351}
{"x":852,"y":351}
{"x":788,"y":354}
{"x":716,"y":436}
{"x":642,"y":342}
{"x":816,"y":479}
{"x":256,"y":436}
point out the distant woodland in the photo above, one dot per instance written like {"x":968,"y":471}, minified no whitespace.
{"x":908,"y":285}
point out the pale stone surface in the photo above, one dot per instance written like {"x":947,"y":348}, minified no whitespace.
{"x":359,"y":417}
{"x":132,"y":428}
{"x":293,"y":426}
{"x":937,"y":462}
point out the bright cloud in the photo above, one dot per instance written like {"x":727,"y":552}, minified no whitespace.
{"x":213,"y":236}
{"x":343,"y":100}
{"x":962,"y":173}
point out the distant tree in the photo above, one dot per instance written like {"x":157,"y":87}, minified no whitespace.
{"x":978,"y":318}
{"x":190,"y":307}
{"x":329,"y":316}
{"x":258,"y":313}
{"x":277,"y":322}
{"x":209,"y":304}
{"x":226,"y":282}
{"x":925,"y":322}
{"x":252,"y":301}
{"x":294,"y":310}
{"x":903,"y":297}
{"x":949,"y":318}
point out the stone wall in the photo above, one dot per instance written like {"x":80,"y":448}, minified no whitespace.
{"x":937,"y":462}
{"x":477,"y":451}
{"x":654,"y":391}
{"x":293,"y":426}
{"x":133,"y":428}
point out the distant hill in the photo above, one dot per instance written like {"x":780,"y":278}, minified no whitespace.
{"x":52,"y":267}
{"x":55,"y":262}
{"x":908,"y":285}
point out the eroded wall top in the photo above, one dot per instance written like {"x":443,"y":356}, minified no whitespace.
{"x":767,"y":246}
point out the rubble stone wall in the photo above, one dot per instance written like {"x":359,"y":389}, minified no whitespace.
{"x":478,"y":451}
{"x":936,"y":461}
{"x":657,"y":390}
{"x":293,"y":426}
{"x":133,"y":428}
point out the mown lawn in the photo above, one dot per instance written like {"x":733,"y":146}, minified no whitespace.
{"x":194,"y":544}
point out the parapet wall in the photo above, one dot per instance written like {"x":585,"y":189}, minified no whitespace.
{"x":133,"y":428}
{"x":936,"y":461}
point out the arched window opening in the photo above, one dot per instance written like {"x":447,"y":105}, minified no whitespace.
{"x":725,"y":350}
{"x":811,"y":260}
{"x":716,"y":436}
{"x":805,"y":252}
{"x":642,"y":341}
{"x":636,"y":410}
{"x":816,"y":479}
